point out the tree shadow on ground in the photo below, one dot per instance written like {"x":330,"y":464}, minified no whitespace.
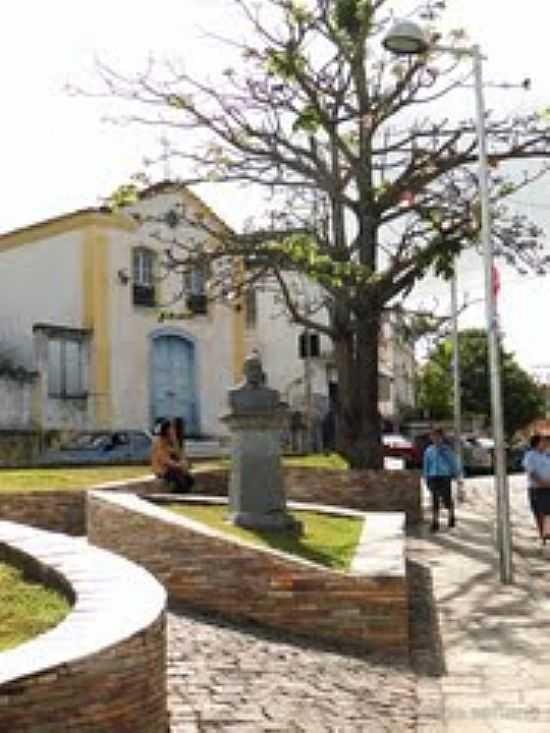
{"x":494,"y":617}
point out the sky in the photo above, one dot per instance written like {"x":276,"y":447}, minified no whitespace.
{"x":58,"y":153}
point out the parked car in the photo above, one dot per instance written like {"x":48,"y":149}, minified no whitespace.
{"x":117,"y":446}
{"x":477,"y":454}
{"x":399,"y":446}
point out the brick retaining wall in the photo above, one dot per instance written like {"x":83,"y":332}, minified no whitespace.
{"x":207,"y":570}
{"x":57,"y":511}
{"x":62,"y":511}
{"x":368,"y":491}
{"x":102,"y":669}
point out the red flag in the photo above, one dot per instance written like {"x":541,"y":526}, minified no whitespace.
{"x":495,"y":277}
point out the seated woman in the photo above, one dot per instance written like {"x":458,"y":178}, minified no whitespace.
{"x":168,"y":462}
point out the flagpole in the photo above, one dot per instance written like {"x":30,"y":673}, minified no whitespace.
{"x":504,"y":534}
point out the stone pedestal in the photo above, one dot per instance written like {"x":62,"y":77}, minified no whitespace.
{"x":256,"y":492}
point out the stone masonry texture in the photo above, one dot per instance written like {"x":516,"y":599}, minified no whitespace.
{"x":388,"y":491}
{"x":103,"y":668}
{"x":209,"y":572}
{"x":61,"y":511}
{"x":64,"y":511}
{"x":230,"y":678}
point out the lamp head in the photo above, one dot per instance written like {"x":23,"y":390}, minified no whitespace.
{"x":406,"y":38}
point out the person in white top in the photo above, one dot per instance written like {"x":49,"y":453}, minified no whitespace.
{"x":537,"y":466}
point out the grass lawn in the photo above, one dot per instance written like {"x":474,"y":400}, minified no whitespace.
{"x":327,"y":540}
{"x":313,"y":460}
{"x":44,"y":479}
{"x":70,"y":477}
{"x":27,"y":609}
{"x":317,"y":460}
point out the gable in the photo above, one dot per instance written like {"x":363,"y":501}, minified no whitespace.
{"x":66,"y":223}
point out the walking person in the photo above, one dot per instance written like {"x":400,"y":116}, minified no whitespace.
{"x":440,"y":466}
{"x":537,"y":466}
{"x":167,"y":462}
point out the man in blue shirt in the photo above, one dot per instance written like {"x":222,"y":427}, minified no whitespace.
{"x":439,"y":468}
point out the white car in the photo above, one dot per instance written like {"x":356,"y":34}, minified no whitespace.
{"x":477,"y":454}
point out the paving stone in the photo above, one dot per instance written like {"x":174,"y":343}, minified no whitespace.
{"x":262,"y":681}
{"x":480,"y":652}
{"x":494,"y":639}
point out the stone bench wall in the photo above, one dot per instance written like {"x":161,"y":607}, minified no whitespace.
{"x":102,"y":669}
{"x":368,"y":491}
{"x":208,"y":571}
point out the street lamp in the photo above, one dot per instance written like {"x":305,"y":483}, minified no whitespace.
{"x":406,"y":38}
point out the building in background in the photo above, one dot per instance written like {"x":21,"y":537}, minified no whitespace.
{"x":541,"y":375}
{"x":308,"y":384}
{"x":83,"y":318}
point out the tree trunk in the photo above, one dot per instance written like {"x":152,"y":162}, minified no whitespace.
{"x":357,"y":415}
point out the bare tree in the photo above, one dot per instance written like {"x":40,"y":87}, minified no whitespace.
{"x":368,"y":192}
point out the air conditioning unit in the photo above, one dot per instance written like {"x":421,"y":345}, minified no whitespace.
{"x":197,"y":304}
{"x":144,"y":295}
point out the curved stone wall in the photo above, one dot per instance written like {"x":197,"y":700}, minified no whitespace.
{"x":210,"y":571}
{"x":102,"y":669}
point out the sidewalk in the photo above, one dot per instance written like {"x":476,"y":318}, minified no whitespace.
{"x":494,"y":640}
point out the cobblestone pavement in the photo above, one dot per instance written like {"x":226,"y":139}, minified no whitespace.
{"x":480,"y":651}
{"x":494,"y":639}
{"x":242,"y":679}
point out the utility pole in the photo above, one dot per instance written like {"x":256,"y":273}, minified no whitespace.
{"x":406,"y":38}
{"x":457,"y":395}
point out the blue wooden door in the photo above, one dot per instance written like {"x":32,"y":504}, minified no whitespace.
{"x":173,"y":381}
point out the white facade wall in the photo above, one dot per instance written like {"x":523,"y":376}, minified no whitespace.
{"x":39,"y":282}
{"x":133,"y":326}
{"x":276,"y":338}
{"x":15,"y":403}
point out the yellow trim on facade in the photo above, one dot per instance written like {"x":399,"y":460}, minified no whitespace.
{"x":67,"y":223}
{"x":96,"y":298}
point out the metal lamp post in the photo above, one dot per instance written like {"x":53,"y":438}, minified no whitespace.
{"x":457,"y":397}
{"x":406,"y":38}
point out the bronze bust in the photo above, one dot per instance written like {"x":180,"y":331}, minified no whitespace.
{"x":252,"y":394}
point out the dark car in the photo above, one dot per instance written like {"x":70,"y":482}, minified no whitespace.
{"x":116,"y":446}
{"x":399,"y":446}
{"x":514,"y":458}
